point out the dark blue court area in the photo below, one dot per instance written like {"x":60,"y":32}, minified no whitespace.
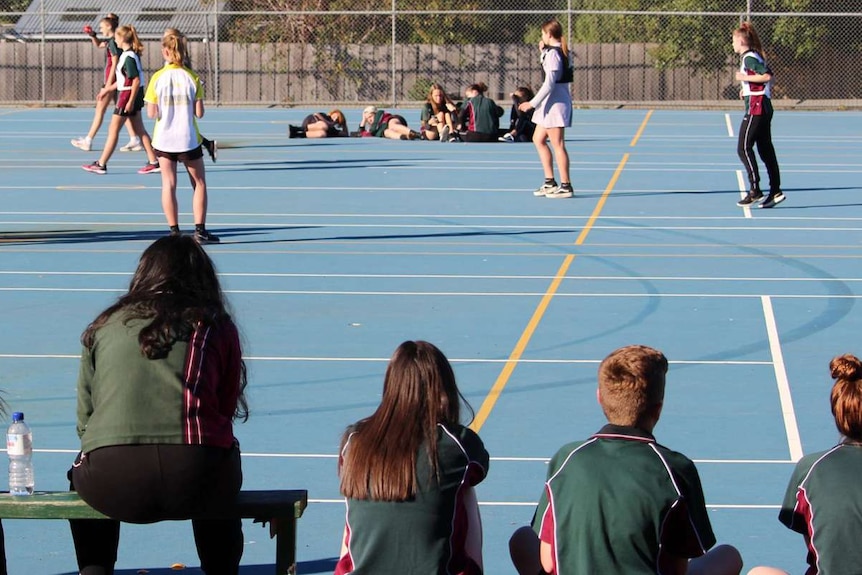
{"x":335,"y":251}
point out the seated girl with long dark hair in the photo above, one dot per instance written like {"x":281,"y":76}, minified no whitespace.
{"x":407,"y":472}
{"x":161,"y":381}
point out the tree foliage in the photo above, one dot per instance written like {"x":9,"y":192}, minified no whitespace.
{"x":694,"y":36}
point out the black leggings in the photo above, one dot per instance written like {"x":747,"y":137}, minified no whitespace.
{"x":758,"y":130}
{"x":149,"y":483}
{"x":479,"y":137}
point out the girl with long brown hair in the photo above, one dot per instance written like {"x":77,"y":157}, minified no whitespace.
{"x":407,"y":473}
{"x":160,"y":385}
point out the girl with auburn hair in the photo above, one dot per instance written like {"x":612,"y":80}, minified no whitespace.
{"x":332,"y":124}
{"x":553,"y":112}
{"x":407,"y":473}
{"x":756,"y":78}
{"x":825,"y":485}
{"x":161,"y":382}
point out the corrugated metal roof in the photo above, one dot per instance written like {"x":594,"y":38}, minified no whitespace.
{"x":65,"y":18}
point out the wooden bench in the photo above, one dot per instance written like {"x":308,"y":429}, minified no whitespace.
{"x":280,"y":508}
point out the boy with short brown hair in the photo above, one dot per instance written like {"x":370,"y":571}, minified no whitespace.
{"x":620,"y":502}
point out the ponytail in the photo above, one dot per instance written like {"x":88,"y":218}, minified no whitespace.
{"x":749,"y":36}
{"x":555,"y":31}
{"x":130,"y":37}
{"x":175,"y":46}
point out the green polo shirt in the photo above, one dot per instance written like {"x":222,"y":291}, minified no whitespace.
{"x":426,"y":534}
{"x":611,"y":501}
{"x":824,"y":503}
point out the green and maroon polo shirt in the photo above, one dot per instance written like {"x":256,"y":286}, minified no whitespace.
{"x":611,"y":502}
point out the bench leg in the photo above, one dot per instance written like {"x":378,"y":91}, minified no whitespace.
{"x":2,"y":550}
{"x":285,"y":546}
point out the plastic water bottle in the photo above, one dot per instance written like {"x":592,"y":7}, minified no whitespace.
{"x":19,"y":446}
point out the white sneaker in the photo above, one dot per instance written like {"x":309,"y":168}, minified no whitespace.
{"x":507,"y":137}
{"x":444,"y":134}
{"x":134,"y":145}
{"x":561,"y":191}
{"x":546,"y":189}
{"x":82,"y":144}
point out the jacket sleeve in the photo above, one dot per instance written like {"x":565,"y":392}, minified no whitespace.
{"x":86,"y":373}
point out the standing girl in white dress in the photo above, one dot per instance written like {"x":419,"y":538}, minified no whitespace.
{"x":553,"y":112}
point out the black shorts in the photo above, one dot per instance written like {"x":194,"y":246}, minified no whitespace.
{"x":189,"y":156}
{"x":396,"y":117}
{"x":122,"y":112}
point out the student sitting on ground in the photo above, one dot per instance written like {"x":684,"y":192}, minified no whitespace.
{"x":521,"y":126}
{"x":619,"y":502}
{"x":824,"y":490}
{"x":382,"y":124}
{"x":439,"y":115}
{"x":480,"y":116}
{"x":320,"y":125}
{"x":407,"y":473}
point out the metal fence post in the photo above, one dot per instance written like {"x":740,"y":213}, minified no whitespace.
{"x":392,"y":58}
{"x":43,"y":54}
{"x":215,"y":60}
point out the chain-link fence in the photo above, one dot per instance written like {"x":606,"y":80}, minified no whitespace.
{"x":327,"y":52}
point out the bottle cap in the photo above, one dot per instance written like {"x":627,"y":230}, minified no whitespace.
{"x":18,"y":416}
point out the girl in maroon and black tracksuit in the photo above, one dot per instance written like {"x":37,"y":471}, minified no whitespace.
{"x":756,"y":128}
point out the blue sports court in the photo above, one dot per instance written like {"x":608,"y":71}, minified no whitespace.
{"x":335,"y":251}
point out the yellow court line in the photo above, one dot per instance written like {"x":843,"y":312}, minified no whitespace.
{"x":640,"y":130}
{"x":515,"y":356}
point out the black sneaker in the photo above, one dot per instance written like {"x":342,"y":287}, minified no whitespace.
{"x":751,"y":198}
{"x":204,"y":237}
{"x":175,"y":233}
{"x":212,"y":149}
{"x":773,"y":199}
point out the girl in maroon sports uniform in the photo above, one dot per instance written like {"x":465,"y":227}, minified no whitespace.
{"x":129,"y":85}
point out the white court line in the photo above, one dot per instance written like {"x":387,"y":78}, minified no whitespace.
{"x":387,"y":359}
{"x":461,"y":293}
{"x":543,"y":460}
{"x":787,"y":411}
{"x":454,"y":226}
{"x":402,"y":216}
{"x":729,"y":125}
{"x":450,"y":276}
{"x":743,"y":191}
{"x":591,"y":167}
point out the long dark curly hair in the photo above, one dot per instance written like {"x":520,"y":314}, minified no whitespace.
{"x":177,"y":288}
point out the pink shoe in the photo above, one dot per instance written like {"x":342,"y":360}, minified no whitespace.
{"x":96,"y":168}
{"x":150,"y":169}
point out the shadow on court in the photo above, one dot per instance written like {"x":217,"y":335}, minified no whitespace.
{"x":315,"y":566}
{"x":90,"y":236}
{"x":405,"y":236}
